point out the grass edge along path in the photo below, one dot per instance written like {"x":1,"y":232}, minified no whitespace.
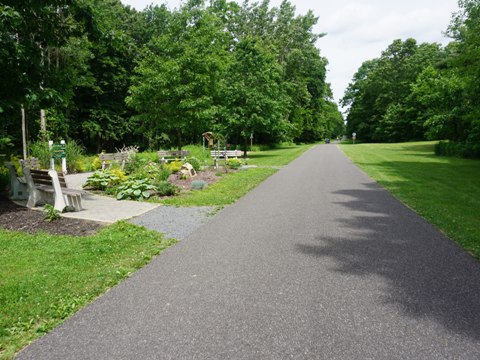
{"x":443,"y":190}
{"x":236,"y":184}
{"x":44,"y":279}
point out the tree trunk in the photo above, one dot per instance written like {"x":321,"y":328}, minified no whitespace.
{"x":179,"y":139}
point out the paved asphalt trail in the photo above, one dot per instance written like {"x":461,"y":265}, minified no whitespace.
{"x":318,"y":262}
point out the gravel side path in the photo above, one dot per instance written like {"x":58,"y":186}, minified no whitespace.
{"x":175,"y":222}
{"x":317,"y":262}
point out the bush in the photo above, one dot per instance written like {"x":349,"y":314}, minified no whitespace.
{"x":104,"y":180}
{"x":74,"y":155}
{"x":152,"y":171}
{"x":194,"y":162}
{"x":96,"y":163}
{"x":167,"y":189}
{"x":463,"y":150}
{"x":174,"y":166}
{"x":135,"y":190}
{"x":234,"y":163}
{"x":51,"y":213}
{"x":40,"y":150}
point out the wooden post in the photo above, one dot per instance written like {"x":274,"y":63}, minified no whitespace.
{"x":24,"y":134}
{"x":43,"y":124}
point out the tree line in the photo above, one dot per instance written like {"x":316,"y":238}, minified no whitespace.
{"x":422,"y":91}
{"x":109,"y":75}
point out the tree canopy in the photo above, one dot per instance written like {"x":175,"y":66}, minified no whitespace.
{"x":422,"y":91}
{"x":109,"y":75}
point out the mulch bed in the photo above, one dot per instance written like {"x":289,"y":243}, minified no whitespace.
{"x":18,"y":218}
{"x":208,"y":176}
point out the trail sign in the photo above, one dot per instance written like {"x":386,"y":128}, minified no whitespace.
{"x":58,"y":151}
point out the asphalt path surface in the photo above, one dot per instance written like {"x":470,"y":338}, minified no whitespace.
{"x":318,"y":262}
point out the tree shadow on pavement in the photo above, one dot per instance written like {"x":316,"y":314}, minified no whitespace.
{"x":427,"y":275}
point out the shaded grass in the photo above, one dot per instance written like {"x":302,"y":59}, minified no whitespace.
{"x":45,"y":278}
{"x":443,"y":190}
{"x":224,"y":192}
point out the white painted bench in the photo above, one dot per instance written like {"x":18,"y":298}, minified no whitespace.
{"x":108,"y":158}
{"x":169,"y":155}
{"x":225,"y":154}
{"x":47,"y":186}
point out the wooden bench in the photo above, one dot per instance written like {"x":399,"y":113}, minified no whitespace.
{"x":108,"y":158}
{"x":225,"y":154}
{"x":47,"y":186}
{"x":172,"y":155}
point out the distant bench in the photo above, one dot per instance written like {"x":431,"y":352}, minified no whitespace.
{"x":108,"y":158}
{"x":47,"y":186}
{"x":169,"y":155}
{"x":225,"y":154}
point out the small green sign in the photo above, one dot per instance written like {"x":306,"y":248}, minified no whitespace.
{"x":58,"y":151}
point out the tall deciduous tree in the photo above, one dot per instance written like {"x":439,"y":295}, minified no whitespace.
{"x":175,"y":85}
{"x":254,"y":99}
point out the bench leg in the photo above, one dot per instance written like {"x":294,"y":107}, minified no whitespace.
{"x":74,"y":201}
{"x":34,"y":197}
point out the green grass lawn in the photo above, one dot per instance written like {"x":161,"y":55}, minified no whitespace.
{"x":224,"y":192}
{"x":277,"y":157}
{"x":45,"y":278}
{"x":444,"y":190}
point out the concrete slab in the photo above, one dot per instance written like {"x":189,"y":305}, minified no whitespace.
{"x":109,"y":210}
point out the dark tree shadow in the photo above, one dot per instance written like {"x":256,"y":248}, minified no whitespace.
{"x":427,"y":274}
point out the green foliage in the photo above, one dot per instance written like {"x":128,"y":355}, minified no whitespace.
{"x":255,"y":100}
{"x":74,"y":156}
{"x":234,"y":163}
{"x":40,"y":150}
{"x":422,"y":91}
{"x":51,"y":213}
{"x":154,"y":172}
{"x":96,"y":163}
{"x":104,"y":180}
{"x":194,"y":162}
{"x":465,"y":150}
{"x":58,"y":275}
{"x":135,"y":189}
{"x":174,"y":166}
{"x":165,"y":188}
{"x":381,"y":106}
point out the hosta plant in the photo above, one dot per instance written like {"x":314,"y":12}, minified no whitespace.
{"x":135,"y":190}
{"x":103,"y":180}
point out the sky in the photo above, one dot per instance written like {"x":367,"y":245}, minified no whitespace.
{"x":360,"y":30}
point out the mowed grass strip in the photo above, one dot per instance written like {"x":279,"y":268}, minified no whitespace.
{"x":226,"y":191}
{"x":443,"y":190}
{"x":45,"y":278}
{"x":280,"y":156}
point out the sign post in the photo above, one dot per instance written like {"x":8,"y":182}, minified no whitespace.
{"x":58,"y":152}
{"x":354,"y":136}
